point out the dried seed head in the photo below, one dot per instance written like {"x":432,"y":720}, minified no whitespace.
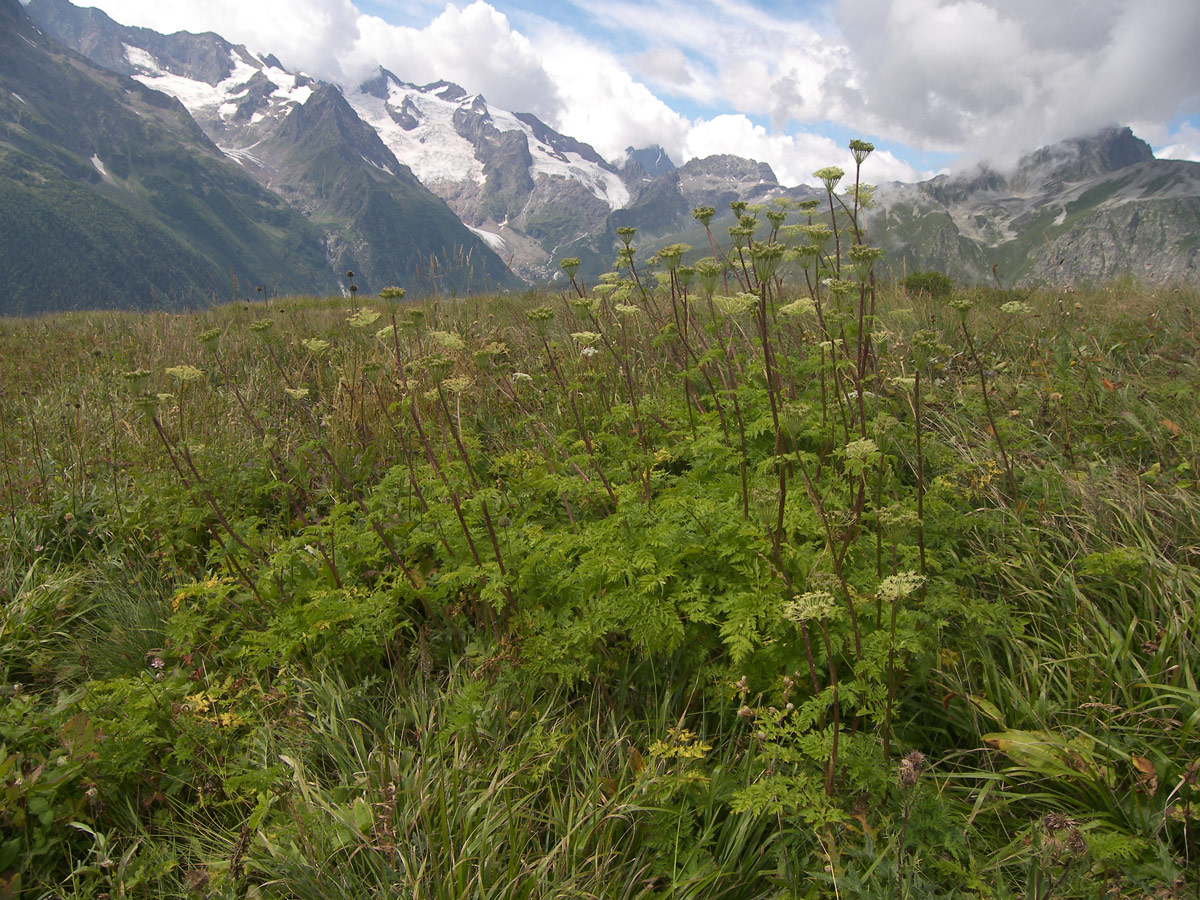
{"x":1057,"y":822}
{"x":910,"y":768}
{"x":1076,"y":842}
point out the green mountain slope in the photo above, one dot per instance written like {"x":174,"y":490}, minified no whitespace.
{"x":113,"y":196}
{"x":381,"y":222}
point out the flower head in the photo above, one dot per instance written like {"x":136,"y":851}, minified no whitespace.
{"x":829,"y":176}
{"x":448,"y":341}
{"x":185,"y":373}
{"x":861,"y":150}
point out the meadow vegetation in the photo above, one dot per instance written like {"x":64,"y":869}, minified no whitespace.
{"x":750,"y":578}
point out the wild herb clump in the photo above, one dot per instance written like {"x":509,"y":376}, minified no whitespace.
{"x":931,"y":284}
{"x":734,"y":576}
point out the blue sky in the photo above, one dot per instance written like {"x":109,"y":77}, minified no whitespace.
{"x":935,"y":84}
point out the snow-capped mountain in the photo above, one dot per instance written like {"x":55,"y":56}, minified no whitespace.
{"x":525,"y":188}
{"x":520,"y":187}
{"x":437,"y":131}
{"x":299,"y":138}
{"x":433,"y":187}
{"x":250,"y":91}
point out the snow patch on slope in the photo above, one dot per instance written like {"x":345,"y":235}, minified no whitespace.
{"x":434,"y":151}
{"x":495,"y":241}
{"x":603,"y":184}
{"x":220,"y":98}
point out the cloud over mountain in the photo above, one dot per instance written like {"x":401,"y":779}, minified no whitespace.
{"x":977,"y":78}
{"x":993,"y":77}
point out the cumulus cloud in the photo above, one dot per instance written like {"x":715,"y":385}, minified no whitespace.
{"x":312,"y":35}
{"x":793,"y":157}
{"x":603,"y":104}
{"x":475,"y":47}
{"x":997,"y":77}
{"x":988,"y":79}
{"x":734,"y":54}
{"x":1179,"y":143}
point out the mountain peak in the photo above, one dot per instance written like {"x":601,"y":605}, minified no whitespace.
{"x":447,"y":90}
{"x":653,"y":159}
{"x":1105,"y":151}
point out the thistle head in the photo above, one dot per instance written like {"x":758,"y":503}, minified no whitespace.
{"x":926,"y":346}
{"x":539,"y":316}
{"x":910,"y":768}
{"x":818,"y":235}
{"x":136,"y":379}
{"x":185,"y":373}
{"x":315,"y":346}
{"x":438,"y":367}
{"x":740,"y":235}
{"x":364,"y":318}
{"x":585,"y":338}
{"x":766,"y":259}
{"x":739,"y":303}
{"x":802,"y":307}
{"x":864,"y":259}
{"x":448,"y":341}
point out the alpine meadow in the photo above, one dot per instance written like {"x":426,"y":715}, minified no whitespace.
{"x":758,"y":576}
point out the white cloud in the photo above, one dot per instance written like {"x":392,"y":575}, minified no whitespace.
{"x":603,"y":104}
{"x":312,"y":35}
{"x":998,"y":77}
{"x":727,"y":53}
{"x":1183,"y":143}
{"x":793,"y":157}
{"x":985,"y":78}
{"x":475,"y":47}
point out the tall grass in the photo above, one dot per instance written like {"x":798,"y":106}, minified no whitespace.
{"x":588,"y":596}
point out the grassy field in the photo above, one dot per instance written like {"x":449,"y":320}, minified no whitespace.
{"x":695,"y":583}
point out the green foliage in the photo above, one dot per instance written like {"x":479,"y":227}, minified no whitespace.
{"x":795,"y":587}
{"x":931,"y":284}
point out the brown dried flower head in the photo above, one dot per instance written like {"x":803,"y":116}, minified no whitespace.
{"x":910,"y":768}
